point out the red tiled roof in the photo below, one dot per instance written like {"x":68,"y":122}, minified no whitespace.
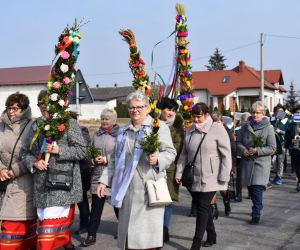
{"x":24,"y":75}
{"x":240,"y":77}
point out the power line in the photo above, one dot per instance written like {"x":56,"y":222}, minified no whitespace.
{"x":169,"y":65}
{"x":282,"y":36}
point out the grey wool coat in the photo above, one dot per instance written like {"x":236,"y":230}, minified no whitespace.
{"x":213,"y":162}
{"x":140,"y":224}
{"x":256,"y":169}
{"x":16,"y":203}
{"x":105,"y":142}
{"x":72,"y":149}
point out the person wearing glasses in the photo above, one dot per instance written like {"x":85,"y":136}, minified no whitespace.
{"x":257,"y":144}
{"x":55,"y":204}
{"x":140,"y":226}
{"x":17,"y":213}
{"x":212,"y":168}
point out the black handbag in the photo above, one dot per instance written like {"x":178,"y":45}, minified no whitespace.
{"x":59,"y":179}
{"x":3,"y":184}
{"x":187,"y":178}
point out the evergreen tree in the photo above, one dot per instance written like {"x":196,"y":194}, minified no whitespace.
{"x":292,"y":98}
{"x":216,"y":61}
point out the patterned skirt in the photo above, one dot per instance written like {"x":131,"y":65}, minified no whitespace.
{"x":18,"y":235}
{"x":54,"y":233}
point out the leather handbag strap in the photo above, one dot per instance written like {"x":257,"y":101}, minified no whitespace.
{"x":198,"y":149}
{"x":12,"y":153}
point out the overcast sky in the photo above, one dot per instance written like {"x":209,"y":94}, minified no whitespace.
{"x":30,"y":29}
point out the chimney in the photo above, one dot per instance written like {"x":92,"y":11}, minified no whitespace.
{"x":241,"y":66}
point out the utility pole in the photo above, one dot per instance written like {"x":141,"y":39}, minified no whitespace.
{"x":262,"y":79}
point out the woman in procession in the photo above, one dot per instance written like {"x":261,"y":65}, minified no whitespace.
{"x":17,"y":213}
{"x":257,"y":144}
{"x":104,"y":140}
{"x":140,"y":226}
{"x":55,"y":203}
{"x":212,"y":168}
{"x":175,"y":123}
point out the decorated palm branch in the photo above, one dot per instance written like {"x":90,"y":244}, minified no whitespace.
{"x":141,"y":82}
{"x":184,"y":69}
{"x":61,"y":80}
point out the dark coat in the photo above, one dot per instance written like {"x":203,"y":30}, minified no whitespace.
{"x":72,"y":149}
{"x":177,"y":135}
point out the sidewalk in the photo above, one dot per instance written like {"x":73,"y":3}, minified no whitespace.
{"x":279,"y":227}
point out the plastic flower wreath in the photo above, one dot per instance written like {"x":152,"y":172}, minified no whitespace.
{"x":186,"y":95}
{"x":61,"y":79}
{"x":141,"y":82}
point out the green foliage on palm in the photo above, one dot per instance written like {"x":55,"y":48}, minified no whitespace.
{"x":150,"y":143}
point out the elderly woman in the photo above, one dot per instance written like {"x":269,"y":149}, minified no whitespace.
{"x":17,"y":214}
{"x":55,"y":205}
{"x":175,"y":122}
{"x":140,"y":226}
{"x":212,"y":168}
{"x":257,"y":144}
{"x":104,"y":140}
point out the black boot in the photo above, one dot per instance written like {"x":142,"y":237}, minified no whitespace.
{"x":298,"y":186}
{"x":90,"y":240}
{"x":211,"y":239}
{"x":214,"y":211}
{"x":166,"y":234}
{"x":254,"y":221}
{"x":196,"y":244}
{"x":227,"y":206}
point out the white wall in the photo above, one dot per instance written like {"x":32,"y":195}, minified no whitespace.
{"x":93,"y":110}
{"x":88,"y":111}
{"x":31,"y":91}
{"x":202,"y":96}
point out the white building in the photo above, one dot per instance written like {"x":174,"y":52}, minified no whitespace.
{"x":219,"y":88}
{"x":31,"y":80}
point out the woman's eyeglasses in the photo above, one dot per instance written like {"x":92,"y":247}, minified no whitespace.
{"x":14,"y":109}
{"x":137,"y":108}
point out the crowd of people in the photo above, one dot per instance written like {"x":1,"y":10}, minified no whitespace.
{"x":38,"y":198}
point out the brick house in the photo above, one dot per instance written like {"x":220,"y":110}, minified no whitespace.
{"x":220,"y":87}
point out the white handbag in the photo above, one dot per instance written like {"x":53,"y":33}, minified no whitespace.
{"x":158,"y":192}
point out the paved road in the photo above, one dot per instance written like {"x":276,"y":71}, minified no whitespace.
{"x":279,"y":228}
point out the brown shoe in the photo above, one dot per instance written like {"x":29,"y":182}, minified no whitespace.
{"x":90,"y":240}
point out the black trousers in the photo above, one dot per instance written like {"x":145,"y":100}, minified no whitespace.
{"x":239,"y":185}
{"x":296,"y":163}
{"x":96,"y":213}
{"x":204,"y":219}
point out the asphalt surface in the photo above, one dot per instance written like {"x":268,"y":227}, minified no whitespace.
{"x":279,"y":228}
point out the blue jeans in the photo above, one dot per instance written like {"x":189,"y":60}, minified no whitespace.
{"x":167,"y":215}
{"x":256,"y":195}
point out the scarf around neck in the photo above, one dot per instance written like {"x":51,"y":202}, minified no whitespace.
{"x":204,"y":126}
{"x":124,"y":170}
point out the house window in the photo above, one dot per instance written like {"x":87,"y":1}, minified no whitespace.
{"x":226,"y":79}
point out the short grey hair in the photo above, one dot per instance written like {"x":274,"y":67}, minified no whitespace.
{"x":216,"y":116}
{"x":258,"y":105}
{"x":137,"y":95}
{"x":110,"y":113}
{"x":244,"y":117}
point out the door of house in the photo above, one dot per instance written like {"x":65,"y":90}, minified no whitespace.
{"x":220,"y":103}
